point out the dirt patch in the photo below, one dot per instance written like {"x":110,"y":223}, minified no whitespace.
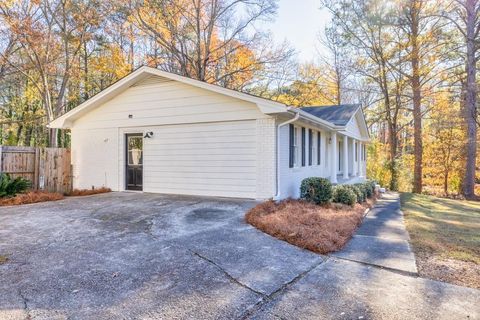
{"x":88,"y":192}
{"x":462,"y":273}
{"x":321,"y":229}
{"x":3,"y":259}
{"x":31,"y":197}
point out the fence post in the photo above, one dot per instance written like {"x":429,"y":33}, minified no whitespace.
{"x":1,"y":159}
{"x":36,"y":183}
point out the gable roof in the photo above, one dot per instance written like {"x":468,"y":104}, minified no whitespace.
{"x":331,"y":117}
{"x":265,"y":105}
{"x":339,"y":115}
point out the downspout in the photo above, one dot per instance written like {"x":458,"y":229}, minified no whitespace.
{"x":297,"y":115}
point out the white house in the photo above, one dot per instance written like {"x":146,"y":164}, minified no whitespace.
{"x":160,"y":132}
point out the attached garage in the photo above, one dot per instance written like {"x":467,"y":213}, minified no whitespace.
{"x":155,"y":131}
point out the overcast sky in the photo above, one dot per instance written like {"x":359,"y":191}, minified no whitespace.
{"x":299,"y":22}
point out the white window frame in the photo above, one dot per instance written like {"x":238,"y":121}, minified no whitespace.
{"x":295,"y":147}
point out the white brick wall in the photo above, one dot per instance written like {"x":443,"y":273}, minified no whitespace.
{"x":266,"y":158}
{"x":290,"y":178}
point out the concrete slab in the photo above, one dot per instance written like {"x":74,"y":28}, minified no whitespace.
{"x":341,"y":289}
{"x":384,"y":252}
{"x":382,"y":239}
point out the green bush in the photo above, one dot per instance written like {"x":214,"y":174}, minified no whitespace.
{"x":10,"y":187}
{"x":363,"y":189}
{"x":317,"y":190}
{"x":370,"y":185}
{"x":359,"y":192}
{"x":344,"y":194}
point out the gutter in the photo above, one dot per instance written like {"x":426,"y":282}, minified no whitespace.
{"x":297,"y":116}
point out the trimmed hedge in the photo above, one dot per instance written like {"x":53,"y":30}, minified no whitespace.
{"x":317,"y":190}
{"x":363,"y":189}
{"x":344,"y":194}
{"x":358,"y":190}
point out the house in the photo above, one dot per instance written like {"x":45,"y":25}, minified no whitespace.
{"x":160,"y":132}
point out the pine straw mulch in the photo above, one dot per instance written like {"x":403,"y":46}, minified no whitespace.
{"x":31,"y":197}
{"x":43,"y":196}
{"x":322,"y":229}
{"x":88,"y":192}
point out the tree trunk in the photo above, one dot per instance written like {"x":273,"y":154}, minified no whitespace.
{"x":470,"y":107}
{"x":445,"y":183}
{"x":417,"y":100}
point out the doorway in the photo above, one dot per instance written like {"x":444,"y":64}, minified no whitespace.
{"x":134,"y":163}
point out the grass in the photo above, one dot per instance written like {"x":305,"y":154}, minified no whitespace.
{"x":445,"y":235}
{"x":3,"y":259}
{"x":321,"y":229}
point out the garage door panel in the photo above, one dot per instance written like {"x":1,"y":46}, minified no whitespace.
{"x":216,"y":159}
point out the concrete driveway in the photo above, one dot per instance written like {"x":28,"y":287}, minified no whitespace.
{"x":145,"y":256}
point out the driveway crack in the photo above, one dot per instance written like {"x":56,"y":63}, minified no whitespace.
{"x":228,"y":275}
{"x":25,"y":304}
{"x":267,"y":298}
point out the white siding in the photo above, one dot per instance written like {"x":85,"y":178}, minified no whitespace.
{"x":203,"y":143}
{"x":155,"y":104}
{"x":211,"y":159}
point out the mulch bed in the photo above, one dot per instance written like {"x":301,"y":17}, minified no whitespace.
{"x":321,"y":229}
{"x":31,"y":197}
{"x":43,"y":196}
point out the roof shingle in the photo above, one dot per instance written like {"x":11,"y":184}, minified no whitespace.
{"x":339,"y":115}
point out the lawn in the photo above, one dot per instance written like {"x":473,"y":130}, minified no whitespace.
{"x":445,"y":235}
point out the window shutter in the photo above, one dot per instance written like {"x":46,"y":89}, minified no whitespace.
{"x":319,"y":144}
{"x":291,"y":149}
{"x":303,"y":147}
{"x":310,"y":147}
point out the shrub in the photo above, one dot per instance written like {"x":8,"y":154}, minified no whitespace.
{"x":358,"y":190}
{"x":370,"y":184}
{"x":10,"y":187}
{"x":344,"y":194}
{"x":317,"y":190}
{"x":363,"y":189}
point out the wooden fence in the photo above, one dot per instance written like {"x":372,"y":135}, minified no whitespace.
{"x":47,"y":168}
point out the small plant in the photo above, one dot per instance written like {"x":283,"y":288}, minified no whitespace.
{"x":10,"y":187}
{"x":344,"y":194}
{"x":316,"y":190}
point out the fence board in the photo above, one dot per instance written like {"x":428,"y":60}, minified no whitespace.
{"x":47,"y":168}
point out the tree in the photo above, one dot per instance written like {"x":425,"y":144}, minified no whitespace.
{"x":209,"y":40}
{"x":465,"y":16}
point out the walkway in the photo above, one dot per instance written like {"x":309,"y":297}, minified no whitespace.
{"x":382,"y":240}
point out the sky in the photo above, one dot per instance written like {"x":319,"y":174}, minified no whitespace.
{"x":300,"y":22}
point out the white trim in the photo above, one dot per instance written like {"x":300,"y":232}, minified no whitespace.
{"x":66,"y":120}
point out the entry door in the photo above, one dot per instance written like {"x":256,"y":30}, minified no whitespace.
{"x":134,"y":168}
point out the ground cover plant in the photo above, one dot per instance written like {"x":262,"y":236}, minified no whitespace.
{"x":9,"y":186}
{"x":445,"y":236}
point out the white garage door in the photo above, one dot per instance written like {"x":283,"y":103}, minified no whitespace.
{"x":212,"y":159}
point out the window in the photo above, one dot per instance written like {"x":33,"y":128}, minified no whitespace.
{"x":339,"y":156}
{"x":319,"y":144}
{"x":293,"y":159}
{"x":310,"y":147}
{"x":303,"y":146}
